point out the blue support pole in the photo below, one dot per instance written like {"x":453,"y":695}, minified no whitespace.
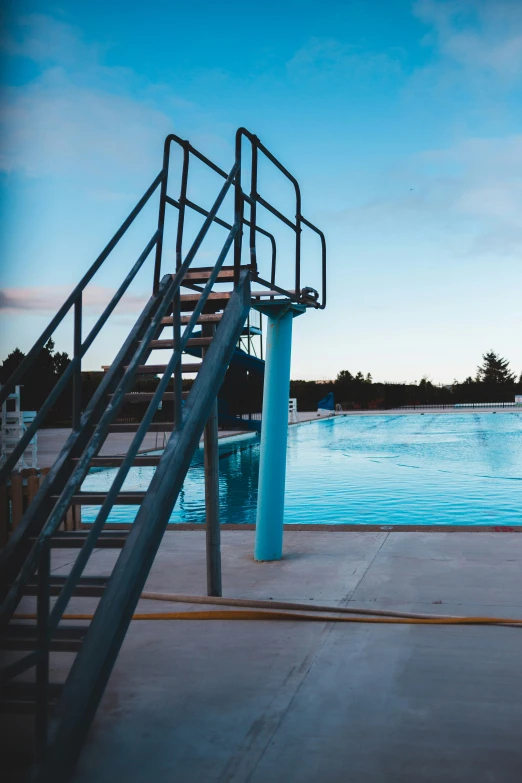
{"x":274,"y":432}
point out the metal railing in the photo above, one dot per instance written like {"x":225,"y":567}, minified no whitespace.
{"x":168,"y":289}
{"x":75,"y":299}
{"x":296,"y":224}
{"x":27,"y":552}
{"x":253,"y":198}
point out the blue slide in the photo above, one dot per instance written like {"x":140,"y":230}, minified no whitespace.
{"x":244,"y":376}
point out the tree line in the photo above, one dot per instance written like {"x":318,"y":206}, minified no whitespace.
{"x":494,"y":381}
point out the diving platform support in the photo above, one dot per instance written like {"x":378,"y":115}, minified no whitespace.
{"x":274,"y":428}
{"x":211,"y":462}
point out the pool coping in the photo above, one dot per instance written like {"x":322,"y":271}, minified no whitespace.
{"x":327,"y":528}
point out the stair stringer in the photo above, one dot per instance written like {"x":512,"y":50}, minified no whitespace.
{"x":93,"y":665}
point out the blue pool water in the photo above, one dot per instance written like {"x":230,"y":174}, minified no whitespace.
{"x":379,"y":470}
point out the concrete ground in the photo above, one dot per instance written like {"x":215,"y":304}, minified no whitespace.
{"x":51,"y":441}
{"x":224,"y":701}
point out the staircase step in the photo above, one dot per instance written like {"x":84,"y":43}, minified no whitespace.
{"x":88,"y":586}
{"x":146,"y":461}
{"x":202,"y":274}
{"x":19,"y":697}
{"x":114,"y":461}
{"x":194,"y":342}
{"x":146,"y":396}
{"x":97,"y":498}
{"x":268,"y":292}
{"x":159,"y":369}
{"x":156,"y":369}
{"x":16,"y":707}
{"x":215,"y":301}
{"x":76,"y":539}
{"x":205,"y":318}
{"x":156,"y":426}
{"x":66,"y":638}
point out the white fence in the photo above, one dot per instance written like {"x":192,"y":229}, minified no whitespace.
{"x":14,"y":423}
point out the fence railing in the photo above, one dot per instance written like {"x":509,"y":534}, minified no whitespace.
{"x":17,"y":494}
{"x":459,"y":406}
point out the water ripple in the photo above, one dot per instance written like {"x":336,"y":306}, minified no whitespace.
{"x":351,"y":471}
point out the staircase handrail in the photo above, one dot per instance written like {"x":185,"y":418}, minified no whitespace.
{"x":82,"y":467}
{"x":255,"y":198}
{"x":80,"y":348}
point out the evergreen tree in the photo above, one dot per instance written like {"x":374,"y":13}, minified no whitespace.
{"x":494,"y":369}
{"x":10,"y":364}
{"x":37,"y":382}
{"x":60,"y":362}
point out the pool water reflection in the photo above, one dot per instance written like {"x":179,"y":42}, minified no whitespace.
{"x":380,"y":470}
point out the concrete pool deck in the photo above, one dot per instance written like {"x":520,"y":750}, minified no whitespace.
{"x":52,"y":440}
{"x":317,"y":702}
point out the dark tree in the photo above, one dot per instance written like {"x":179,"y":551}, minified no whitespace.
{"x":494,"y":369}
{"x":344,"y":376}
{"x":10,"y":364}
{"x":60,"y":361}
{"x":39,"y":380}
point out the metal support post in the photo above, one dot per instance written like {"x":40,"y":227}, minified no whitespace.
{"x":42,"y":647}
{"x":274,"y":432}
{"x":77,"y":377}
{"x":178,"y":374}
{"x":211,"y":459}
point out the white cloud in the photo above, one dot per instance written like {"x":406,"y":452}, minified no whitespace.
{"x":46,"y":40}
{"x":476,"y":35}
{"x":53,"y":126}
{"x":489,"y":185}
{"x":470,"y":195}
{"x":328,"y":57}
{"x":79,"y":116}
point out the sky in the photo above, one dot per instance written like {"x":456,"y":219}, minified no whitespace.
{"x":401,"y":120}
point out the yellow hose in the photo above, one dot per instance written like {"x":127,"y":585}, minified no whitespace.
{"x":253,"y":614}
{"x":253,"y":603}
{"x":255,"y":609}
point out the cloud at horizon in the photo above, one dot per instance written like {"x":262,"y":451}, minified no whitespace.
{"x":48,"y":299}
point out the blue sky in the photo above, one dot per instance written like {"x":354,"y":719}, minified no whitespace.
{"x":400,"y":119}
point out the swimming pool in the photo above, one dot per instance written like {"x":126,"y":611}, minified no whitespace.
{"x":377,"y":470}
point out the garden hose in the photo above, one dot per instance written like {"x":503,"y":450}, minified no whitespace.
{"x":252,"y":609}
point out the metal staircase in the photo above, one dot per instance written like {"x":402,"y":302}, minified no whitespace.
{"x":64,"y":711}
